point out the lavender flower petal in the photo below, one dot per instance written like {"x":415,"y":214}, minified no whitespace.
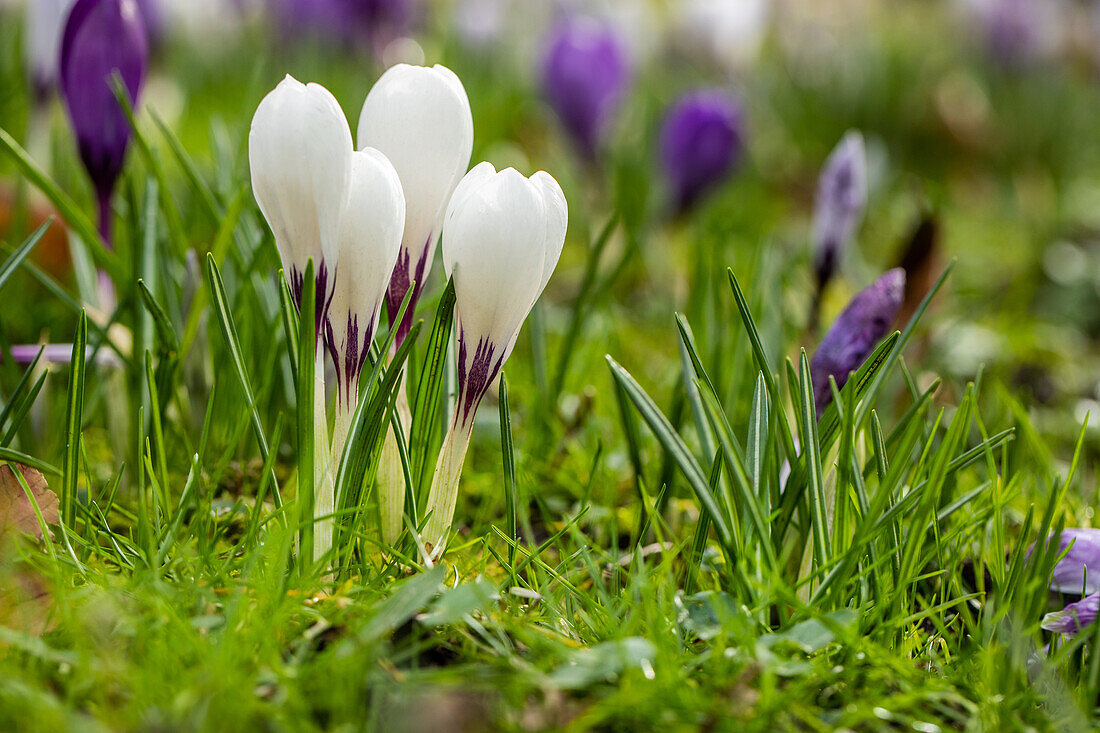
{"x":585,"y":73}
{"x":853,"y":335}
{"x":1080,"y":568}
{"x":838,"y":206}
{"x":1013,"y":31}
{"x":1073,"y":617}
{"x":702,"y":140}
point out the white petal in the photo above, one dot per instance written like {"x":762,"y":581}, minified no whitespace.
{"x":299,"y":152}
{"x":420,"y":119}
{"x":495,"y":247}
{"x":478,"y":176}
{"x":370,"y":238}
{"x":557,"y":221}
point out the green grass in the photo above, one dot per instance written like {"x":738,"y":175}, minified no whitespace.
{"x":630,"y":552}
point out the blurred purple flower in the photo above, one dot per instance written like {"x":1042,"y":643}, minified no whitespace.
{"x":1079,"y":570}
{"x":102,"y":37}
{"x":585,"y":74}
{"x":24,"y":354}
{"x":152,"y":14}
{"x":1013,"y":30}
{"x":702,"y":140}
{"x":378,"y":21}
{"x":854,"y":334}
{"x":1073,"y":617}
{"x":839,"y":203}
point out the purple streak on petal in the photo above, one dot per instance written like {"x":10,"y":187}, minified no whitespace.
{"x":1081,"y":563}
{"x":473,"y":384}
{"x":702,"y":140}
{"x":854,"y":334}
{"x":1073,"y":617}
{"x":323,"y":297}
{"x":585,"y":74}
{"x":102,"y":37}
{"x":349,"y":363}
{"x":399,"y":286}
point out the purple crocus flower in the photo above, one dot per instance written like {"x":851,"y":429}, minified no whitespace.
{"x":701,"y":142}
{"x":102,"y":37}
{"x":1073,"y":617}
{"x":1079,"y":570}
{"x":152,"y":14}
{"x":838,"y":206}
{"x":1013,"y":30}
{"x":585,"y":73}
{"x":854,"y":334}
{"x":347,"y":20}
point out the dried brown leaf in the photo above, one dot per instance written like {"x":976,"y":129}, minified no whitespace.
{"x":16,"y":510}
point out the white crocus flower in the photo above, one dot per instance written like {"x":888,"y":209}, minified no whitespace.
{"x":370,"y":237}
{"x":300,"y":155}
{"x":420,"y":119}
{"x":299,"y":151}
{"x":503,"y":236}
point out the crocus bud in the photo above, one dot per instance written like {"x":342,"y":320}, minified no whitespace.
{"x":45,"y":21}
{"x":101,"y":38}
{"x":370,"y":238}
{"x":300,"y":152}
{"x":1073,"y":617}
{"x":1079,"y":570}
{"x":701,"y":141}
{"x":504,"y":234}
{"x":585,"y":73}
{"x":838,"y":206}
{"x":854,"y":334}
{"x":420,"y":119}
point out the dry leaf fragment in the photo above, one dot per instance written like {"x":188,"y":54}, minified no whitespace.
{"x":16,"y":511}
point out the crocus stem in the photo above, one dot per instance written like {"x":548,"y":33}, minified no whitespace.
{"x":324,"y":501}
{"x":391,"y":475}
{"x":345,"y":414}
{"x":107,"y":299}
{"x":444,"y":491}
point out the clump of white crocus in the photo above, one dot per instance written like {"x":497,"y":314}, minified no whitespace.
{"x":420,"y":119}
{"x":503,"y":235}
{"x":300,"y":155}
{"x":370,"y":237}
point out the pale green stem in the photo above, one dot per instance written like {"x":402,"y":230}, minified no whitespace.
{"x":324,"y":497}
{"x":391,"y":475}
{"x":345,"y":414}
{"x":444,"y":491}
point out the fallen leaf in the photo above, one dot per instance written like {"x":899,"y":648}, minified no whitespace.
{"x":16,"y":511}
{"x":26,"y":601}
